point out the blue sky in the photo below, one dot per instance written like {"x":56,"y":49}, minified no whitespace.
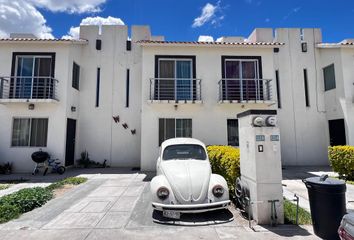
{"x":175,"y":18}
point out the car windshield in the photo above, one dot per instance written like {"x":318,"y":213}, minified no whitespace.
{"x":184,"y":151}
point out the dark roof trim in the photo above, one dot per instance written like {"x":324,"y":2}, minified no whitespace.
{"x":43,"y":40}
{"x":147,"y":42}
{"x":257,"y":112}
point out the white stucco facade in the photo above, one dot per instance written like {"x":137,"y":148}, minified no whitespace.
{"x":117,"y":119}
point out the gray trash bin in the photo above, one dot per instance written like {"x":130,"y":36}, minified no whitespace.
{"x":327,"y":204}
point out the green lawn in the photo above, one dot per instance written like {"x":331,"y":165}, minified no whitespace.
{"x":290,"y":214}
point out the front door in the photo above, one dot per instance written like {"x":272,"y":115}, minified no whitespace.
{"x":70,"y":142}
{"x":337,"y":132}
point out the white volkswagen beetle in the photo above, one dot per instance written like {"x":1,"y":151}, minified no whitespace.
{"x":184,"y":182}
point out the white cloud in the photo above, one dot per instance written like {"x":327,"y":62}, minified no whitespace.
{"x":69,"y":6}
{"x":19,"y":16}
{"x":293,"y":11}
{"x":74,"y":32}
{"x":205,"y":39}
{"x":209,"y":12}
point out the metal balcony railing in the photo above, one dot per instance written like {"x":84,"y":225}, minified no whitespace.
{"x":243,"y":90}
{"x":28,"y":88}
{"x":175,"y":89}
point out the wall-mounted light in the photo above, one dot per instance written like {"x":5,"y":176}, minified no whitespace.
{"x":31,"y":106}
{"x":73,"y":108}
{"x":304,"y":46}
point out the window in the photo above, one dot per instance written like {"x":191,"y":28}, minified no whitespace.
{"x":76,"y":76}
{"x":278,"y":88}
{"x":329,"y":77}
{"x":175,"y":78}
{"x":307,"y":100}
{"x":241,"y":79}
{"x":32,"y":76}
{"x":232,"y":132}
{"x":98,"y":87}
{"x":29,"y":132}
{"x":183,"y":152}
{"x":171,"y":128}
{"x":127,"y":89}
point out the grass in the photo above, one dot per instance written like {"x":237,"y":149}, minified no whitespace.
{"x":67,"y":181}
{"x":290,"y":214}
{"x":4,"y":186}
{"x":27,"y":199}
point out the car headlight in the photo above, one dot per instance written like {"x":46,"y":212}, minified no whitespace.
{"x":218,"y":191}
{"x":162,"y":193}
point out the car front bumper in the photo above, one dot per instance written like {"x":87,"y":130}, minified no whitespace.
{"x":192,"y":208}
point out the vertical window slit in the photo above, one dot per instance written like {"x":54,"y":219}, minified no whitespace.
{"x":98,"y":87}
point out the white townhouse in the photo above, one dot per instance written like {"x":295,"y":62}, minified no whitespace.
{"x":118,"y":99}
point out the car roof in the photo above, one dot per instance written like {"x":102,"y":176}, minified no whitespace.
{"x":177,"y":141}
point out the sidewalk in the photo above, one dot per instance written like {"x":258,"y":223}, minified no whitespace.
{"x":292,"y":184}
{"x":38,"y":180}
{"x":116,"y":204}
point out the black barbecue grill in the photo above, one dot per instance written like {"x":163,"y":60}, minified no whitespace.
{"x":39,"y":158}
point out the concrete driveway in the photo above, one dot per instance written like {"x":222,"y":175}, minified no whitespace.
{"x":115,"y":204}
{"x":292,"y":184}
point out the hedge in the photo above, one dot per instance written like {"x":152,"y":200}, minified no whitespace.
{"x":225,"y":160}
{"x":342,"y":161}
{"x":27,"y":199}
{"x":8,"y":212}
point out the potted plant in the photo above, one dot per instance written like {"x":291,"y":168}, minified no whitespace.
{"x":7,"y":168}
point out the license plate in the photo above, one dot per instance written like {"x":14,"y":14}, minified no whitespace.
{"x":171,"y":214}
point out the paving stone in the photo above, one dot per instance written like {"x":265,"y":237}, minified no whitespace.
{"x":133,"y":191}
{"x":114,"y":220}
{"x":68,"y":220}
{"x":107,"y":191}
{"x":153,"y":233}
{"x":96,"y":206}
{"x":83,"y":204}
{"x":120,"y":182}
{"x":124,"y":204}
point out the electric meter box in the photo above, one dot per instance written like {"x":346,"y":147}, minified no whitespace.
{"x":260,"y":162}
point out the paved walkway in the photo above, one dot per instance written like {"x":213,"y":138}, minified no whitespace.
{"x":116,"y":204}
{"x":292,"y":184}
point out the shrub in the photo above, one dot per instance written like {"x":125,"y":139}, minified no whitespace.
{"x":225,"y":160}
{"x":342,"y":161}
{"x":8,"y":212}
{"x":67,"y":181}
{"x":27,"y":199}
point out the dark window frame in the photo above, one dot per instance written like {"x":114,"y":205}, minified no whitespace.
{"x":333,"y":86}
{"x":163,"y":138}
{"x":306,"y":88}
{"x":98,"y":82}
{"x":75,"y":83}
{"x":228,"y":133}
{"x":15,"y":54}
{"x":30,"y":140}
{"x":127,"y":89}
{"x":226,"y":57}
{"x":192,"y":58}
{"x":277,"y":83}
{"x":14,"y":64}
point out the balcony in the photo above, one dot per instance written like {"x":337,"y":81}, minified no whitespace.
{"x":28,"y":89}
{"x":232,"y":90}
{"x":175,"y":90}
